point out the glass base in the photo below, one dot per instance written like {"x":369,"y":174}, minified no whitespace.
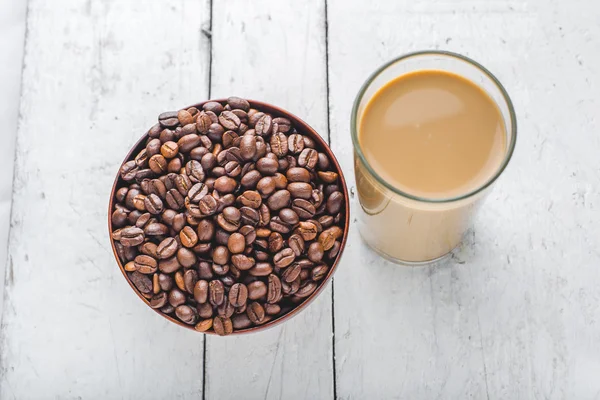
{"x":399,"y":261}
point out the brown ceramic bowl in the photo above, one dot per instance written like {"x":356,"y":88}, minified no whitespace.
{"x":301,"y":127}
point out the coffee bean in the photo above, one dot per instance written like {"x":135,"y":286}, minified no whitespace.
{"x":153,"y":204}
{"x":291,"y":273}
{"x":225,"y":184}
{"x":204,"y":325}
{"x":316,"y":252}
{"x":300,"y":190}
{"x":179,"y":280}
{"x":266,"y":186}
{"x":241,"y":321}
{"x":195,"y":171}
{"x":267,"y":166}
{"x":216,"y":292}
{"x":335,"y":202}
{"x":139,"y":202}
{"x":256,"y":290}
{"x":165,"y":282}
{"x":119,"y":218}
{"x":186,"y":314}
{"x":178,"y":222}
{"x":264,"y":215}
{"x":205,"y":310}
{"x":190,"y":277}
{"x":326,"y":221}
{"x":233,"y":169}
{"x":261,"y":269}
{"x":145,"y":264}
{"x":176,"y":297}
{"x":238,"y":294}
{"x":149,"y":249}
{"x":279,"y":200}
{"x":229,"y":120}
{"x":275,"y":242}
{"x":272,"y":309}
{"x":238,"y":103}
{"x":250,"y":198}
{"x":298,"y":174}
{"x":141,"y":282}
{"x":250,"y":179}
{"x":206,"y":230}
{"x":284,"y":258}
{"x":186,"y":257}
{"x":289,"y":216}
{"x":226,"y":309}
{"x":174,"y":199}
{"x":229,"y":219}
{"x":158,"y":300}
{"x":308,"y":158}
{"x":242,"y":262}
{"x":221,"y":255}
{"x":201,"y":291}
{"x":249,"y":216}
{"x":208,"y":205}
{"x":274,"y":289}
{"x":222,"y":237}
{"x":279,"y":144}
{"x":319,"y":272}
{"x":264,"y":125}
{"x":307,"y":230}
{"x":213,"y":106}
{"x":128,"y":170}
{"x":188,"y":237}
{"x":131,"y":236}
{"x":169,"y":265}
{"x":141,"y":160}
{"x":169,"y":149}
{"x":248,"y":147}
{"x":306,"y":290}
{"x":277,"y":225}
{"x":215,"y":132}
{"x":255,"y":312}
{"x":158,"y":164}
{"x":296,"y":243}
{"x":236,"y":243}
{"x":222,"y":326}
{"x":295,"y":143}
{"x":197,"y":192}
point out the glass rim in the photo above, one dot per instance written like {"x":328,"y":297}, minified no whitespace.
{"x":509,"y":150}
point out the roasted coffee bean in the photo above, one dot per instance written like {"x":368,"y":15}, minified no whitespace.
{"x":202,"y":248}
{"x":222,"y":237}
{"x":221,"y":255}
{"x":167,"y":135}
{"x":274,"y":289}
{"x":230,"y":219}
{"x":208,"y":205}
{"x":179,"y":280}
{"x":145,"y":264}
{"x":289,"y":216}
{"x":319,"y":272}
{"x":186,"y":314}
{"x":335,"y":202}
{"x":178,"y":222}
{"x":328,"y":176}
{"x":317,"y":224}
{"x":241,"y":321}
{"x":169,"y":149}
{"x":208,"y":161}
{"x":295,"y":143}
{"x":131,"y":236}
{"x":201,"y":291}
{"x":249,"y":234}
{"x":335,"y":249}
{"x":226,"y":309}
{"x":250,"y":198}
{"x":249,"y":216}
{"x":206,"y":230}
{"x":304,"y":275}
{"x":261,"y":269}
{"x":272,"y":309}
{"x":205,"y":310}
{"x":149,"y":249}
{"x":242,"y":262}
{"x":176,"y":297}
{"x":225,"y":184}
{"x":248,"y":147}
{"x":232,"y":169}
{"x":213,"y":106}
{"x":165,"y":282}
{"x":141,"y":282}
{"x":255,"y":312}
{"x":284,"y":258}
{"x":307,"y":230}
{"x":300,"y":190}
{"x":323,"y":162}
{"x":205,"y":270}
{"x":308,"y":158}
{"x":236,"y":243}
{"x":183,"y":183}
{"x":215,"y":132}
{"x":291,"y":273}
{"x":153,"y":204}
{"x":188,"y":142}
{"x":159,"y":300}
{"x":238,"y":294}
{"x":195,"y":171}
{"x":279,"y":144}
{"x":316,"y":252}
{"x":157,"y":164}
{"x":203,"y":123}
{"x":175,"y":200}
{"x":204,"y":325}
{"x":306,"y":290}
{"x":222,"y":326}
{"x":216,"y":292}
{"x":264,"y":125}
{"x":119,"y":218}
{"x":197,"y":192}
{"x":326,"y":221}
{"x":267,"y":166}
{"x":275,"y":242}
{"x":281,"y":181}
{"x":121,"y":194}
{"x":261,"y":255}
{"x":229,"y":120}
{"x":251,"y":179}
{"x":186,"y":257}
{"x":266,"y":186}
{"x":190,"y":277}
{"x":279,"y":200}
{"x":298,"y":174}
{"x":277,"y":225}
{"x":139,"y":202}
{"x":188,"y":237}
{"x":238,"y":103}
{"x":296,"y":243}
{"x":129,"y":170}
{"x":169,"y":265}
{"x":256,"y":290}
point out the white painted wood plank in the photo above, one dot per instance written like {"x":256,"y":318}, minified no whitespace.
{"x":96,"y":75}
{"x":12,"y":43}
{"x":515,"y":315}
{"x":274,"y":51}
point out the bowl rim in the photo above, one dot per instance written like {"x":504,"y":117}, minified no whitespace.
{"x":302,"y":127}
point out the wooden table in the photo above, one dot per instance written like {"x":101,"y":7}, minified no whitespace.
{"x":515,"y":314}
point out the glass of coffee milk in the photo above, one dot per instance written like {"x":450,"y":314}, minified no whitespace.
{"x":432,"y":131}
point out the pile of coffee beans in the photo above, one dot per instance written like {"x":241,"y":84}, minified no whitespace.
{"x":229,"y":217}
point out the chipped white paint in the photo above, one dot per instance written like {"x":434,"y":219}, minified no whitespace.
{"x":516,"y":312}
{"x":95,"y":72}
{"x":274,"y":51}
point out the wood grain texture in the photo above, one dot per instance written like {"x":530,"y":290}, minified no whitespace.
{"x":12,"y":42}
{"x":274,"y":51}
{"x":515,"y":314}
{"x":95,"y":74}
